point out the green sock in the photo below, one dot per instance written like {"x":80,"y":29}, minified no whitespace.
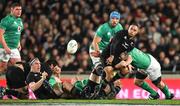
{"x":146,"y":87}
{"x":76,"y":91}
{"x":165,"y":90}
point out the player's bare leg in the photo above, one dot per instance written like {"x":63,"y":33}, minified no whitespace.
{"x":3,"y":67}
{"x":13,"y":61}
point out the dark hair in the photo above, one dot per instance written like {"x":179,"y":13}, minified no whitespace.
{"x":15,"y":4}
{"x":51,"y":61}
{"x":138,"y":24}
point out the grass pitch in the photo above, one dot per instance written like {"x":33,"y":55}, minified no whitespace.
{"x":124,"y":101}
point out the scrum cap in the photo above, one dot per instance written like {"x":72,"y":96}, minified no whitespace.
{"x":115,"y":14}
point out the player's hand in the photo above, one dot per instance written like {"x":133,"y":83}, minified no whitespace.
{"x":7,"y":50}
{"x":95,"y":53}
{"x":130,"y":67}
{"x":44,"y":75}
{"x":121,"y":64}
{"x":19,"y":48}
{"x":110,"y":60}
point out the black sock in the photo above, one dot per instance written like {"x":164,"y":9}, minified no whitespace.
{"x":117,"y":88}
{"x":104,"y":83}
{"x":92,"y":84}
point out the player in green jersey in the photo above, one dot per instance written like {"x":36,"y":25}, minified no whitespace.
{"x":101,"y":39}
{"x":75,"y":88}
{"x":54,"y":80}
{"x":148,"y":66}
{"x":10,"y":30}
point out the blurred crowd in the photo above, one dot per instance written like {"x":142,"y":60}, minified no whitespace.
{"x":50,"y":24}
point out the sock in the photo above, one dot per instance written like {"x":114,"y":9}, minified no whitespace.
{"x":92,"y":85}
{"x":76,"y":91}
{"x":146,"y":87}
{"x":117,"y":88}
{"x":165,"y":90}
{"x":104,"y":84}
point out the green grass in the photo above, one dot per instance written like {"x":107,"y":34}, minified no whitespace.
{"x":126,"y":101}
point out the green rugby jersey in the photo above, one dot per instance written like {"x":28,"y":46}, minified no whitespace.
{"x":106,"y":32}
{"x":81,"y":84}
{"x":13,"y":27}
{"x":140,"y":59}
{"x":52,"y":82}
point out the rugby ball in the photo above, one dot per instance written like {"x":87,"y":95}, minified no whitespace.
{"x":72,"y":46}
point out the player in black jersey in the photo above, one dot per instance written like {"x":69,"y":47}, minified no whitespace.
{"x":113,"y":54}
{"x":147,"y":63}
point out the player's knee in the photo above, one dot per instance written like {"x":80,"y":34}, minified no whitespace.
{"x":118,"y":83}
{"x":109,"y":72}
{"x":157,"y":82}
{"x":98,"y":69}
{"x":13,"y":61}
{"x":108,"y":69}
{"x":67,"y":87}
{"x":3,"y":67}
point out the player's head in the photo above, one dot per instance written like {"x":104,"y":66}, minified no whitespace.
{"x":114,"y":18}
{"x":133,"y":30}
{"x":35,"y":64}
{"x":16,"y":9}
{"x":53,"y":64}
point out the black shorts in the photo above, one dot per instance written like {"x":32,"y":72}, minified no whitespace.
{"x":141,"y":75}
{"x":15,"y":77}
{"x":106,"y":54}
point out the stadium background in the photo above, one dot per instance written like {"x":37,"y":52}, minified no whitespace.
{"x":50,"y":24}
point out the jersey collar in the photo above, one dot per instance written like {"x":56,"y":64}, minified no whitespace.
{"x":13,"y":16}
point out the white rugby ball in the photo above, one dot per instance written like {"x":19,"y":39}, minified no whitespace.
{"x":72,"y":46}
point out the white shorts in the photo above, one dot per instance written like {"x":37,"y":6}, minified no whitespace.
{"x":154,"y":69}
{"x":94,"y":59}
{"x":5,"y":57}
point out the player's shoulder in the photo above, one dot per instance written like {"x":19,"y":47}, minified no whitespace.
{"x":104,"y":25}
{"x":119,"y":25}
{"x":19,"y":19}
{"x":124,"y":32}
{"x":7,"y":19}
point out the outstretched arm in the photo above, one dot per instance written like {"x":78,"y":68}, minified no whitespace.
{"x":36,"y":85}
